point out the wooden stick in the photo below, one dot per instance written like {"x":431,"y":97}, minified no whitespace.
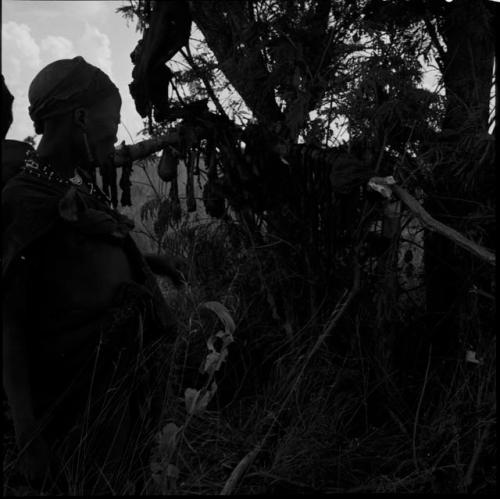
{"x":432,"y":224}
{"x":133,"y":152}
{"x":387,"y":185}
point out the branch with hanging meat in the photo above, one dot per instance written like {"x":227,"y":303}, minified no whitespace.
{"x":263,"y":167}
{"x":387,"y":187}
{"x":127,"y":153}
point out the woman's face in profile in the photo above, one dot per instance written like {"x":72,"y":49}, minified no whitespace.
{"x":103,"y":121}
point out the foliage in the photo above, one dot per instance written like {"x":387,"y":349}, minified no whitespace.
{"x":164,"y":472}
{"x":31,"y":140}
{"x":389,"y":434}
{"x":307,"y":100}
{"x":136,"y":10}
{"x":344,"y":80}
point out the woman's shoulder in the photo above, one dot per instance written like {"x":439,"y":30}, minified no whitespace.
{"x":14,"y":153}
{"x":23,"y":197}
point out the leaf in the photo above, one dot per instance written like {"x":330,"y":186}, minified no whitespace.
{"x":471,"y":356}
{"x":168,"y":439}
{"x":214,"y":360}
{"x":203,"y":401}
{"x":197,"y":400}
{"x":172,"y":472}
{"x":156,"y":472}
{"x":222,"y":313}
{"x":226,"y":338}
{"x":213,"y":388}
{"x":190,"y":398}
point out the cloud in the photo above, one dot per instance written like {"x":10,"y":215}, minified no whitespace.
{"x":21,"y":60}
{"x":48,"y":10}
{"x":26,"y":49}
{"x":23,"y":57}
{"x":95,"y":47}
{"x":57,"y":47}
{"x":17,"y":37}
{"x":87,"y":9}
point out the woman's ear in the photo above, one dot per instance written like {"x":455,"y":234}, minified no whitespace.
{"x":81,"y":117}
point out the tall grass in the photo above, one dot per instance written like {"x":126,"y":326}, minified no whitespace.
{"x":293,"y":410}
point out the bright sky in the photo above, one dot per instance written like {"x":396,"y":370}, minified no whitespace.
{"x":36,"y":33}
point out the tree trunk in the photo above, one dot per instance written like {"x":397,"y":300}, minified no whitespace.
{"x":467,"y":32}
{"x":461,"y":180}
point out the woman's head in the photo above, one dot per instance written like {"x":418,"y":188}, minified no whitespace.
{"x":74,"y":101}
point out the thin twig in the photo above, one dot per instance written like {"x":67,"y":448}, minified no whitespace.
{"x":435,"y":40}
{"x":477,"y":451}
{"x":210,"y":91}
{"x":419,"y":406}
{"x":241,"y":467}
{"x":340,"y":308}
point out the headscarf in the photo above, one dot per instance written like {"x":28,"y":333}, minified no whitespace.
{"x":65,"y":85}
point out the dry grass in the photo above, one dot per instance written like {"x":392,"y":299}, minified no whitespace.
{"x":317,"y":420}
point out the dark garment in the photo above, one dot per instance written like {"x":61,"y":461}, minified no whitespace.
{"x":13,"y":156}
{"x":7,"y":100}
{"x":88,"y":325}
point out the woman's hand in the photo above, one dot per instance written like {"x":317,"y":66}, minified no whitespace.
{"x":169,"y":266}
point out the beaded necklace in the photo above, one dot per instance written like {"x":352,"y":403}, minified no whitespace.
{"x":33,"y":167}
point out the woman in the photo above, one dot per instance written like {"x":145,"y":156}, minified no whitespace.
{"x":79,"y":301}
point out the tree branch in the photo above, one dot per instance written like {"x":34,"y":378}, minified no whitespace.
{"x":431,"y":223}
{"x":435,"y":40}
{"x":125,"y":154}
{"x":210,"y":91}
{"x":224,"y":25}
